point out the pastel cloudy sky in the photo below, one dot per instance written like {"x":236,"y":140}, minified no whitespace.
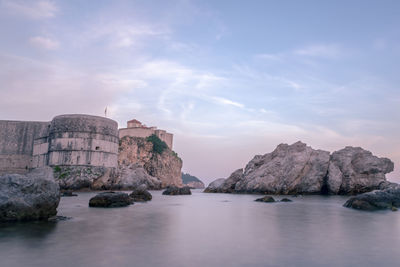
{"x":230,"y":79}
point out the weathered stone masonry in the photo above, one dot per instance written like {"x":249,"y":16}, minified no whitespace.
{"x":68,"y":140}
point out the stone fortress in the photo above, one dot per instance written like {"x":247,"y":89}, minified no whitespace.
{"x":68,"y":140}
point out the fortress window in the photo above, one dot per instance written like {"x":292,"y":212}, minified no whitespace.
{"x":97,"y":147}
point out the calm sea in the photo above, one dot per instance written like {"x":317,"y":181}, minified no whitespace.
{"x":206,"y":230}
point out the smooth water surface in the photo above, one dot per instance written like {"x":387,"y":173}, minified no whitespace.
{"x":206,"y":230}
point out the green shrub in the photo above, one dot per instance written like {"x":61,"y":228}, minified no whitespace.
{"x":158,"y":145}
{"x":57,"y":169}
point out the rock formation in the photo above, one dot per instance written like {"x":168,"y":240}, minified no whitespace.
{"x":110,"y":200}
{"x":388,"y":198}
{"x":173,"y":190}
{"x":299,"y":169}
{"x":164,"y":165}
{"x":354,"y":170}
{"x":34,"y":196}
{"x":192,"y":181}
{"x":140,"y":194}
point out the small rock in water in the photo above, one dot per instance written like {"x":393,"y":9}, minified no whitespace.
{"x":68,"y":193}
{"x":266,"y":199}
{"x":173,"y":190}
{"x":140,"y":194}
{"x":110,"y":200}
{"x":286,"y":200}
{"x":376,"y":200}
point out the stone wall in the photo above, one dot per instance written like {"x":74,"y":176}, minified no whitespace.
{"x":16,"y":144}
{"x":78,"y":140}
{"x":145,"y":132}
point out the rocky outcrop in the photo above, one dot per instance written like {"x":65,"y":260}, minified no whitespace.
{"x":173,"y":190}
{"x":166,"y":166}
{"x":214,"y":186}
{"x":140,"y":194}
{"x":267,"y":199}
{"x":192,"y":181}
{"x":299,"y":169}
{"x":376,"y":200}
{"x":110,"y":200}
{"x":34,"y":196}
{"x":354,"y":170}
{"x":227,"y":185}
{"x":100,"y":178}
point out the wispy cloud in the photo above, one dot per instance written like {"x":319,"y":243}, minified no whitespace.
{"x":320,"y":50}
{"x":225,"y":101}
{"x":31,"y":9}
{"x":44,"y":43}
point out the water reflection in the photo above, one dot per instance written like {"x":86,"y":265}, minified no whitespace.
{"x":206,"y":230}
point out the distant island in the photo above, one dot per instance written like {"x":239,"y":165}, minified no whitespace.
{"x":192,"y":181}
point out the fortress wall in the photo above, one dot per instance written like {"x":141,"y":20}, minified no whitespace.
{"x":145,"y":132}
{"x":16,"y":144}
{"x":83,"y":140}
{"x":164,"y":136}
{"x":138,"y":132}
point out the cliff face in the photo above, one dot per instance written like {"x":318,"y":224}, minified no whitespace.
{"x":164,"y":165}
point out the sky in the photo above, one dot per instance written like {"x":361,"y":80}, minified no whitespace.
{"x":230,"y":79}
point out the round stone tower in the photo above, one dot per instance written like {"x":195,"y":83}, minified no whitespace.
{"x":83,"y":140}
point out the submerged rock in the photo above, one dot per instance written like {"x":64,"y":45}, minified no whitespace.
{"x":286,"y":200}
{"x":268,"y":199}
{"x":173,"y":190}
{"x":354,"y":170}
{"x":376,"y":200}
{"x":34,"y":196}
{"x":110,"y":200}
{"x":140,"y":194}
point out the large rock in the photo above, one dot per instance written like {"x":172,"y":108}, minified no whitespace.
{"x":110,"y":200}
{"x":376,"y":200}
{"x":34,"y":196}
{"x":214,"y":186}
{"x":126,"y":177}
{"x":173,"y":190}
{"x":226,"y":185}
{"x":140,"y":194}
{"x":289,"y":169}
{"x":354,"y":170}
{"x":166,"y":166}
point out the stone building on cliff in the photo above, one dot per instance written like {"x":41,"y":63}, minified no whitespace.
{"x":84,"y":149}
{"x":136,"y":129}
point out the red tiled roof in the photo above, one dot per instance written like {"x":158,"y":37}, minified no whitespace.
{"x":135,"y":121}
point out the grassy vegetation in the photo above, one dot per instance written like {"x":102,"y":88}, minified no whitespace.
{"x":158,"y":145}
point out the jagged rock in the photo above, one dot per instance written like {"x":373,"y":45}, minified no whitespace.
{"x":289,"y":169}
{"x":110,"y":200}
{"x":133,"y":176}
{"x":34,"y":196}
{"x":140,"y":194}
{"x":165,"y":166}
{"x":299,"y":169}
{"x":173,"y":190}
{"x":214,"y":186}
{"x":354,"y":170}
{"x":227,"y":185}
{"x":376,"y":200}
{"x":286,"y":200}
{"x":268,"y":199}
